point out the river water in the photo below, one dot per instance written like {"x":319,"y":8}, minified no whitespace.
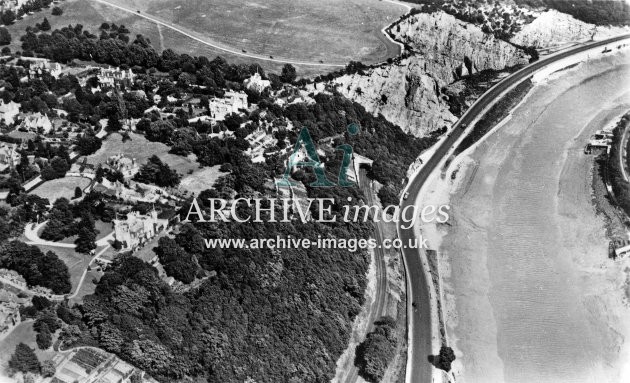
{"x":533,"y":297}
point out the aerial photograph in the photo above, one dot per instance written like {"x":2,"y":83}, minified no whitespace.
{"x":323,"y":191}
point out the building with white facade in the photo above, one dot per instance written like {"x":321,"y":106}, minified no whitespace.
{"x":113,"y":76}
{"x":136,"y":229}
{"x":232,"y":102}
{"x":8,"y":112}
{"x":127,"y":166}
{"x":33,"y":122}
{"x":257,"y":83}
{"x":9,"y":156}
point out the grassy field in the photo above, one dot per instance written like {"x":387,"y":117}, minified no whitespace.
{"x":141,"y":149}
{"x":62,"y":187}
{"x":22,"y":333}
{"x":280,"y":28}
{"x":201,"y":179}
{"x":328,"y":30}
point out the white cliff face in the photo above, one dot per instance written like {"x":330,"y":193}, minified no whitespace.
{"x":403,"y":93}
{"x":409,"y":93}
{"x":447,"y":44}
{"x":555,"y":29}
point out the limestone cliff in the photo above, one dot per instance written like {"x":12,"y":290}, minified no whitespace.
{"x":409,"y":92}
{"x":449,"y":45}
{"x":555,"y":29}
{"x":403,"y":93}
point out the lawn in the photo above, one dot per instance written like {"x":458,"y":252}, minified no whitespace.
{"x":141,"y":149}
{"x":23,"y":333}
{"x":345,"y":30}
{"x":87,"y":288}
{"x":61,"y":187}
{"x":201,"y":179}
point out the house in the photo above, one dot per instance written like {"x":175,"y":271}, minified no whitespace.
{"x":256,"y":83}
{"x":40,"y":66}
{"x":12,"y":5}
{"x":9,"y":111}
{"x":61,"y":113}
{"x":9,"y":311}
{"x":9,"y":156}
{"x":115,"y":76}
{"x":33,"y":122}
{"x":127,"y":166}
{"x":200,"y":119}
{"x":232,"y":102}
{"x":13,"y":278}
{"x":136,"y":229}
{"x":259,"y":141}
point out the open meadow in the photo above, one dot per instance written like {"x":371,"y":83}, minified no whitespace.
{"x":346,"y":30}
{"x":22,"y":333}
{"x":201,"y":179}
{"x":61,"y":187}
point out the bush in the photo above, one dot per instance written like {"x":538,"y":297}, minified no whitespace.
{"x":5,"y":36}
{"x":388,"y":196}
{"x":444,"y":359}
{"x":44,"y":338}
{"x":375,"y":353}
{"x":24,"y":360}
{"x":48,"y":368}
{"x":56,"y":11}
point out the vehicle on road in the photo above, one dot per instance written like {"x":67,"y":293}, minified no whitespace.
{"x":463,"y":126}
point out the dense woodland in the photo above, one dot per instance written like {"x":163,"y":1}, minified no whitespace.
{"x":276,"y":315}
{"x":37,"y":268}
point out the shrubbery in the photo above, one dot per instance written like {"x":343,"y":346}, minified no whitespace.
{"x":444,"y":359}
{"x":378,"y":349}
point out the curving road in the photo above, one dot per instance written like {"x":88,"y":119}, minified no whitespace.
{"x":419,"y":319}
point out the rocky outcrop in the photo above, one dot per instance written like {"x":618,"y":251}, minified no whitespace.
{"x":448,"y":44}
{"x":403,"y":93}
{"x":555,"y":29}
{"x":409,"y":93}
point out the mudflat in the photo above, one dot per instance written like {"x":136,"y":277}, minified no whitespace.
{"x":531,"y":295}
